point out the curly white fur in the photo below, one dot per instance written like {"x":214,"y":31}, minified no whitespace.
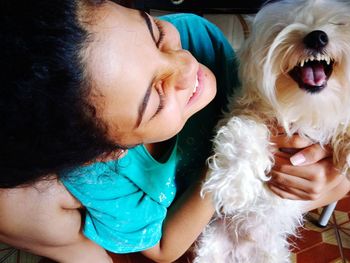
{"x":251,"y":224}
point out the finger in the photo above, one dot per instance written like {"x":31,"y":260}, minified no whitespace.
{"x":282,"y":159}
{"x":313,"y":178}
{"x":281,"y":130}
{"x":277,"y":130}
{"x":310,"y":155}
{"x":290,"y":181}
{"x":288,"y":195}
{"x":281,"y":152}
{"x":294,"y":141}
{"x":312,"y":172}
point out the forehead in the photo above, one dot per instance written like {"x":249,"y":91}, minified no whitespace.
{"x":114,"y":33}
{"x":120,"y":45}
{"x":111,"y":23}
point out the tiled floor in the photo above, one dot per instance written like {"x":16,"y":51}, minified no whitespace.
{"x":11,"y":255}
{"x":315,"y":245}
{"x":325,"y":245}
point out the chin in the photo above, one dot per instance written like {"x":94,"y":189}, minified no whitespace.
{"x":294,"y":70}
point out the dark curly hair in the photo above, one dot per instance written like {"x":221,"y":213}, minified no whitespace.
{"x":46,"y":122}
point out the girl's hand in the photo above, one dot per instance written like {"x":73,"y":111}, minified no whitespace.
{"x":303,"y":170}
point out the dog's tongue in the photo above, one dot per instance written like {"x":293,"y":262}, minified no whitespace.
{"x":313,"y":74}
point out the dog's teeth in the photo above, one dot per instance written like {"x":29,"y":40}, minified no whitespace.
{"x":302,"y":63}
{"x":312,"y":58}
{"x":319,"y":57}
{"x":306,"y":60}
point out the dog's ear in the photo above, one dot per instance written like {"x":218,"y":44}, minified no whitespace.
{"x":250,"y":70}
{"x":245,"y":60}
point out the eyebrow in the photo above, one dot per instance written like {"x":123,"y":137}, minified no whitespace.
{"x":148,"y":22}
{"x":143,"y":106}
{"x":144,"y":103}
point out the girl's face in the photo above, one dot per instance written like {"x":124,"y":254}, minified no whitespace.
{"x":145,"y":86}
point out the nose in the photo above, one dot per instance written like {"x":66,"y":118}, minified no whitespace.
{"x":185,"y":70}
{"x":316,"y":39}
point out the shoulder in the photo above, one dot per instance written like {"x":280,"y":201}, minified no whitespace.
{"x":31,"y":211}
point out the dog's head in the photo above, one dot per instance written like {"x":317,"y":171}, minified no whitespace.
{"x":297,"y":58}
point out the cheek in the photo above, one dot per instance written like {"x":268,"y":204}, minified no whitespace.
{"x":172,"y":34}
{"x":164,"y":128}
{"x":212,"y":85}
{"x":175,"y":124}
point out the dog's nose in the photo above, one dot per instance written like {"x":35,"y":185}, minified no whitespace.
{"x":316,"y":39}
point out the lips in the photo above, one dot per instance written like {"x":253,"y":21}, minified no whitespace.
{"x":197,"y":87}
{"x":312,"y":73}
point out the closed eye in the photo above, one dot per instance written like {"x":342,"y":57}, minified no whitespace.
{"x":338,"y":23}
{"x":161,"y":101}
{"x":161,"y":32}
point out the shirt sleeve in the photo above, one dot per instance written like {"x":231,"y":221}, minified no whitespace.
{"x":119,"y":216}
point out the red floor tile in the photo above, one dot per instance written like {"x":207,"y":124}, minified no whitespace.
{"x":344,"y":204}
{"x":307,"y":239}
{"x":322,"y":253}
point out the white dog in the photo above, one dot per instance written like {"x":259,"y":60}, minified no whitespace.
{"x":295,"y":72}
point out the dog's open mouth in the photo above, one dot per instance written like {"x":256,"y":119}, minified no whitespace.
{"x":312,"y":73}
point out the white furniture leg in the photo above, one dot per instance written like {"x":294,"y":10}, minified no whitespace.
{"x":326,"y":214}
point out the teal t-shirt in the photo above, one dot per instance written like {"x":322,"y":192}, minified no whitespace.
{"x":126,"y":200}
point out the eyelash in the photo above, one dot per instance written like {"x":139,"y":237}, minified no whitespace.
{"x":161,"y":32}
{"x":159,"y":43}
{"x":161,"y":101}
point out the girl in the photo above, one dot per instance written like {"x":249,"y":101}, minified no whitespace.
{"x":107,"y":103}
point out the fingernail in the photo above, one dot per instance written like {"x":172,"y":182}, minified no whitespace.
{"x":297,"y":159}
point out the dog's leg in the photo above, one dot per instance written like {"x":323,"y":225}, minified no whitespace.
{"x":239,"y":166}
{"x":261,"y":236}
{"x":214,"y":245}
{"x":237,"y":180}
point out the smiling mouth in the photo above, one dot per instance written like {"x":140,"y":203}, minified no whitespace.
{"x":195,"y":87}
{"x":312,"y":73}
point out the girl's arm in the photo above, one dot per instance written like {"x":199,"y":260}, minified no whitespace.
{"x":185,"y":221}
{"x":44,"y":219}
